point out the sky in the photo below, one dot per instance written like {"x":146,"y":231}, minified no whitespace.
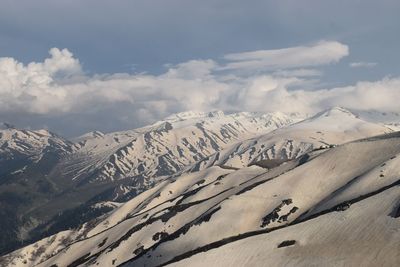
{"x":78,"y":66}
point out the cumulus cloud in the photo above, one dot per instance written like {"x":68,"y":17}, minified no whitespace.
{"x":33,"y":88}
{"x":57,"y":90}
{"x":57,"y":87}
{"x":323,"y":52}
{"x":363,"y":64}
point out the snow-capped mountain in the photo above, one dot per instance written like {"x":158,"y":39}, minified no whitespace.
{"x":165,"y":147}
{"x":50,"y":184}
{"x":22,"y":149}
{"x":328,"y":128}
{"x":278,"y":188}
{"x":341,"y":202}
{"x":29,"y":145}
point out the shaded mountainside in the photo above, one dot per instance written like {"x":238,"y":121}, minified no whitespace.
{"x":312,"y":210}
{"x":26,"y":158}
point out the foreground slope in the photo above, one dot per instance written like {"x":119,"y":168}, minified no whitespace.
{"x":346,"y":193}
{"x":367,"y":234}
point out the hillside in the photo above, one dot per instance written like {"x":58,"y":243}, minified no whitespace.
{"x":49,"y":184}
{"x":290,"y":211}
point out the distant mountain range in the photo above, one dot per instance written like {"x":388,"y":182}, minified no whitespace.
{"x":204,"y":183}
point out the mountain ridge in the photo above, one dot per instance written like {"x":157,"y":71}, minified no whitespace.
{"x":163,"y":225}
{"x":61,"y":177}
{"x":275,"y":146}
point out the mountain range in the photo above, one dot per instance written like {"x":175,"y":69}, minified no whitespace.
{"x":206,"y":188}
{"x":48,"y":183}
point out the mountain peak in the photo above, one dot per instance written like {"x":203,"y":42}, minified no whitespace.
{"x":339,"y":109}
{"x":190,"y":114}
{"x":334,"y":111}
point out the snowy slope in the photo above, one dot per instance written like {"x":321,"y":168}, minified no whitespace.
{"x":330,"y":127}
{"x":365,"y":235}
{"x":50,"y":184}
{"x":320,"y":200}
{"x":165,"y":147}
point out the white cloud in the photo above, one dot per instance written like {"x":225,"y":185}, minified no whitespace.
{"x":58,"y":87}
{"x":323,"y":52}
{"x":363,"y":64}
{"x":379,"y":95}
